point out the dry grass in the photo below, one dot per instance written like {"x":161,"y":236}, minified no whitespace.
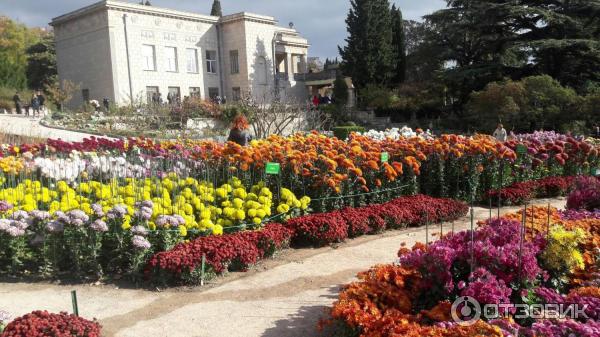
{"x":6,"y":138}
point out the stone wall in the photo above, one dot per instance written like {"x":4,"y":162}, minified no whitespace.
{"x":83,"y":55}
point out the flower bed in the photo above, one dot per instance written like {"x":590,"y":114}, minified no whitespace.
{"x":104,"y":205}
{"x":414,"y":297}
{"x":244,"y":249}
{"x":520,"y":193}
{"x":451,"y":165}
{"x":114,"y":227}
{"x":43,"y":323}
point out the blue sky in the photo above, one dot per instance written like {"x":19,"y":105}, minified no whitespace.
{"x":321,"y":21}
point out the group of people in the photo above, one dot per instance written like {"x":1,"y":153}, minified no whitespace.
{"x":321,"y":100}
{"x":172,"y":99}
{"x":37,"y":104}
{"x":219,"y":100}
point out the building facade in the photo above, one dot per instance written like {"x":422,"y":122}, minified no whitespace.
{"x":128,"y":52}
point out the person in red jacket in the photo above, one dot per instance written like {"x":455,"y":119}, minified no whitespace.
{"x":315,"y":101}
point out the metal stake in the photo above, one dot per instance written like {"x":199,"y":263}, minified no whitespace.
{"x":74,"y":301}
{"x":203,"y":269}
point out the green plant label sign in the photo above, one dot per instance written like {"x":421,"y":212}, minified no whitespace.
{"x":596,"y":171}
{"x":385,"y":157}
{"x":272,"y":168}
{"x":521,"y":149}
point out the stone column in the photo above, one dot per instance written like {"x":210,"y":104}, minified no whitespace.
{"x":289,"y":60}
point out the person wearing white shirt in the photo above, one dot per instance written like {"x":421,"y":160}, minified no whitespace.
{"x":500,"y":133}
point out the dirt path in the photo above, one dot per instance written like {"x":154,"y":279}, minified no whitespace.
{"x":282,"y":297}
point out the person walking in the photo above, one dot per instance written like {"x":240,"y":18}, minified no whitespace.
{"x":42,"y":101}
{"x":17,"y":100}
{"x":106,"y":104}
{"x":500,"y":133}
{"x":239,"y":131}
{"x":35,"y":105}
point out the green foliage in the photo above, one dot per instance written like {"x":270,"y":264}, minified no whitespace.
{"x":368,"y":56}
{"x":399,"y":46}
{"x":216,"y":9}
{"x":15,"y":38}
{"x":41,"y":63}
{"x":533,"y":103}
{"x":486,"y":41}
{"x":375,"y":96}
{"x":340,"y":91}
{"x":342,"y":132}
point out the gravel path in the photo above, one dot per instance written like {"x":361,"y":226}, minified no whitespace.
{"x":281,"y":297}
{"x":31,"y":127}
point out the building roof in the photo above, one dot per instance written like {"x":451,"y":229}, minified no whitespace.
{"x":159,"y":11}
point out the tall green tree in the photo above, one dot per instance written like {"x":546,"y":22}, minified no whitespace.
{"x":15,"y":38}
{"x":340,"y":91}
{"x":41,"y":63}
{"x":564,"y":39}
{"x":216,"y":9}
{"x":368,"y":56}
{"x":399,"y":46}
{"x":475,"y":39}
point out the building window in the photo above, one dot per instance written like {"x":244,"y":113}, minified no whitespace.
{"x":174,"y":95}
{"x":211,"y":61}
{"x":213,"y":93}
{"x":192,"y":60}
{"x":171,"y":59}
{"x":236,"y":94}
{"x":195,"y":92}
{"x":149,"y":57}
{"x":235,"y":62}
{"x":152,"y":94}
{"x":85,"y":94}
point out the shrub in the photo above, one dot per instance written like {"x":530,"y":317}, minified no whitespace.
{"x":586,"y":194}
{"x":342,"y":132}
{"x":43,"y":323}
{"x":240,"y":250}
{"x":319,"y":229}
{"x":519,"y":193}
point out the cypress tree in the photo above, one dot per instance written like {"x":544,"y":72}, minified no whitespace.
{"x":399,"y":46}
{"x":368,"y":56}
{"x":216,"y":9}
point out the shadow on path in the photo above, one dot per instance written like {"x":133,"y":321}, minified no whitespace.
{"x":304,"y":322}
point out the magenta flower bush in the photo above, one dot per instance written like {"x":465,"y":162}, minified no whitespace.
{"x":586,"y":195}
{"x":486,"y":288}
{"x":564,"y":328}
{"x":495,"y":249}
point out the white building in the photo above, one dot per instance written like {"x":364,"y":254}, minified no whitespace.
{"x":124,"y":51}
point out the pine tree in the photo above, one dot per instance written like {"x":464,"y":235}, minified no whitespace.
{"x":399,"y":45}
{"x":216,"y":9}
{"x":368,"y":55}
{"x":564,"y":39}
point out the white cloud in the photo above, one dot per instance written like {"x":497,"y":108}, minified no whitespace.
{"x":321,"y":21}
